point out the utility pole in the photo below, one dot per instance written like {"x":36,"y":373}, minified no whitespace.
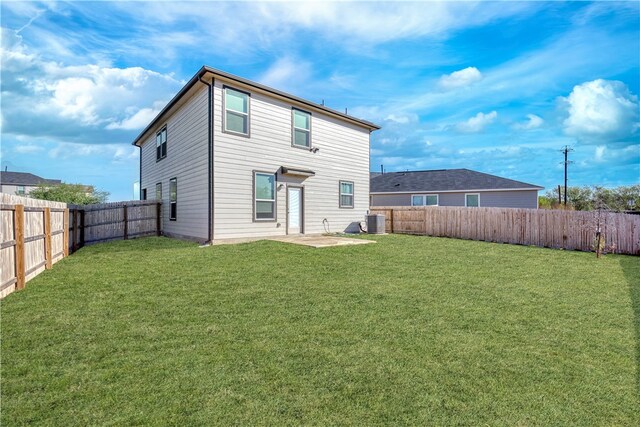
{"x":566,"y":151}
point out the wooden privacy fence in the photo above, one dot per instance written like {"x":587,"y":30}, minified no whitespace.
{"x":33,"y":239}
{"x":539,"y":227}
{"x":104,"y":222}
{"x":38,"y":233}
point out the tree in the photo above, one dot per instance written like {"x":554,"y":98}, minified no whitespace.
{"x":617,"y":199}
{"x":75,"y":194}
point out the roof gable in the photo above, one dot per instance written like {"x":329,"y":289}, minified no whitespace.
{"x":443,"y":180}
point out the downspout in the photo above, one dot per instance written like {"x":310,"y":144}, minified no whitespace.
{"x":140,"y":173}
{"x":210,"y":156}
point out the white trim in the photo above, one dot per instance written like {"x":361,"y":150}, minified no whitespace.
{"x":459,"y":191}
{"x":471,"y":194}
{"x":424,"y":199}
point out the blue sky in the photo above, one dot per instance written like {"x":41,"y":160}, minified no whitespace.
{"x":498,"y":87}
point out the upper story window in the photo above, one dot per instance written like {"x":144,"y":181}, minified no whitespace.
{"x":20,"y":190}
{"x":236,"y":111}
{"x":472,"y":200}
{"x":161,"y":144}
{"x":301,"y":128}
{"x":346,"y":194}
{"x":424,"y":200}
{"x":264,"y":190}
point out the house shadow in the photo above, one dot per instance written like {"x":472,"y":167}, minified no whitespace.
{"x":631,"y":268}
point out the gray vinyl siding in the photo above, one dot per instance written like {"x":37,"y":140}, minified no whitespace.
{"x":187,"y":160}
{"x":494,"y":199}
{"x":343,"y":155}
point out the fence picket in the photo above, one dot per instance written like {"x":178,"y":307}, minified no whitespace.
{"x":539,"y":227}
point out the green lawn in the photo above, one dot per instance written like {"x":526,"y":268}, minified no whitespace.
{"x":408,"y":331}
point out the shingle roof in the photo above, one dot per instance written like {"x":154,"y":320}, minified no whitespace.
{"x":443,"y":180}
{"x":215,"y":72}
{"x":23,"y":178}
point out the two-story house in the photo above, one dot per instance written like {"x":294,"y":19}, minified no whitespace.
{"x":22,"y":183}
{"x":232,"y":158}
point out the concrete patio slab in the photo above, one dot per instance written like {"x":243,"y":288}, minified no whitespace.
{"x":316,"y":241}
{"x":322,"y":241}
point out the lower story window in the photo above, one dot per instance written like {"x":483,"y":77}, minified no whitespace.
{"x":472,"y":200}
{"x":173,"y":199}
{"x":159,"y":191}
{"x":346,"y":194}
{"x":264,"y":190}
{"x":424,"y":200}
{"x":143,"y":196}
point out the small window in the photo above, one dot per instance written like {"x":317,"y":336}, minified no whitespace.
{"x":346,"y":194}
{"x":161,"y":144}
{"x":236,"y":114}
{"x":173,"y":199}
{"x":301,"y":128}
{"x":424,"y":200}
{"x":21,"y":190}
{"x":143,"y":196}
{"x":264,"y":190}
{"x":472,"y":200}
{"x":159,"y":191}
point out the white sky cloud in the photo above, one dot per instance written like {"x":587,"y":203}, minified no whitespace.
{"x":139,"y":119}
{"x":286,"y":73}
{"x":533,"y":122}
{"x":28,"y":149}
{"x":601,"y":109}
{"x":75,"y":102}
{"x":477,"y":123}
{"x":461,"y":78}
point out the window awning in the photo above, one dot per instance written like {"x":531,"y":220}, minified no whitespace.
{"x":286,"y":170}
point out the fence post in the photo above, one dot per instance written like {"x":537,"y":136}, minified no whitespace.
{"x":74,"y":232}
{"x":18,"y":224}
{"x":65,"y":235}
{"x":126,"y":223}
{"x":82,"y":228}
{"x":47,"y":238}
{"x":158,"y":218}
{"x":391,"y":222}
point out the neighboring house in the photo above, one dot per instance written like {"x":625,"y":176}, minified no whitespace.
{"x":21,"y":183}
{"x":231,"y":158}
{"x":451,"y":187}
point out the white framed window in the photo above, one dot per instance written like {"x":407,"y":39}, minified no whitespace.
{"x":21,"y":191}
{"x":346,"y":194}
{"x":161,"y":144}
{"x":301,"y":135}
{"x":264,"y":196}
{"x":173,"y":199}
{"x":472,"y":200}
{"x":236,"y":111}
{"x":159,"y":191}
{"x":425,"y":200}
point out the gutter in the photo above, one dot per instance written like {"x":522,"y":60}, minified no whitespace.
{"x":140,"y":173}
{"x":455,"y":191}
{"x":210,"y":156}
{"x":204,"y":70}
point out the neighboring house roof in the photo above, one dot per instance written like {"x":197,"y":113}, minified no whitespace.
{"x":208,"y":70}
{"x":443,"y":180}
{"x":23,"y":178}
